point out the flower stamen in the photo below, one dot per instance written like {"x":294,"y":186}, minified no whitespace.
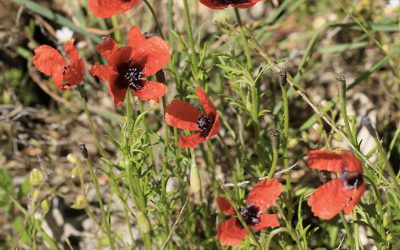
{"x":250,"y":214}
{"x":133,"y":78}
{"x":205,"y":123}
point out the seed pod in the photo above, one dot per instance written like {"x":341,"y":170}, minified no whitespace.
{"x":195,"y":182}
{"x":143,"y":222}
{"x":36,"y":177}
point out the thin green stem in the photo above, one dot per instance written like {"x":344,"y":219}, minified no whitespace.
{"x":91,"y":124}
{"x":189,"y":30}
{"x":285,"y":139}
{"x":275,"y":152}
{"x":342,"y":101}
{"x":155,"y":18}
{"x":117,"y":33}
{"x":244,"y":40}
{"x":348,"y":231}
{"x":100,"y":200}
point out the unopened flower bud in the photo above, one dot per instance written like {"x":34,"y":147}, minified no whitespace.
{"x":143,"y":222}
{"x":195,"y":183}
{"x":83,"y":150}
{"x":36,"y":177}
{"x":80,"y":202}
{"x":45,"y":206}
{"x":283,"y":78}
{"x":387,"y":220}
{"x":35,"y":194}
{"x":74,"y":172}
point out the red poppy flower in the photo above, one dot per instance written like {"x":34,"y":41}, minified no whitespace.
{"x":182,"y":115}
{"x":231,"y":232}
{"x":128,"y":66}
{"x":222,"y":4}
{"x":50,"y":62}
{"x":108,"y":8}
{"x":339,"y":194}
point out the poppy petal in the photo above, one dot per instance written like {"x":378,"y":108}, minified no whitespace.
{"x":74,"y":74}
{"x":104,"y":72}
{"x":190,"y":141}
{"x":266,"y":220}
{"x":214,"y":4}
{"x":135,"y":38}
{"x":325,"y":160}
{"x":182,"y":115}
{"x":120,"y":56}
{"x":225,"y":206}
{"x":108,"y":8}
{"x":355,"y":198}
{"x":107,"y":48}
{"x":71,"y":51}
{"x":48,"y":60}
{"x":351,"y":163}
{"x":151,"y":91}
{"x":230,"y":233}
{"x":58,"y":79}
{"x":264,"y":194}
{"x":116,"y":90}
{"x":215,"y":127}
{"x":329,"y":199}
{"x":151,"y":53}
{"x":205,"y":102}
{"x":249,"y":4}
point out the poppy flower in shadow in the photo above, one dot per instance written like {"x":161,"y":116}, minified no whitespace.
{"x":108,"y":8}
{"x":340,"y":194}
{"x":182,"y":115}
{"x":64,"y":74}
{"x":231,"y":232}
{"x":222,"y":4}
{"x":128,"y":66}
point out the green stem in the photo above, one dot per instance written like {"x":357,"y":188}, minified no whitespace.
{"x":191,"y":40}
{"x":100,"y":199}
{"x":117,"y":33}
{"x":342,"y":101}
{"x":285,"y":139}
{"x":244,"y":41}
{"x":348,"y":231}
{"x":275,"y":153}
{"x":155,"y":18}
{"x":91,"y":124}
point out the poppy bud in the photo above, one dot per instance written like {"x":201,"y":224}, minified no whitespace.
{"x":143,"y":222}
{"x":387,"y":219}
{"x":35,"y":194}
{"x":274,"y":136}
{"x":283,"y":78}
{"x":83,"y":150}
{"x":45,"y":206}
{"x":337,"y":137}
{"x":36,"y":177}
{"x":80,"y":202}
{"x":195,"y":183}
{"x":389,"y":237}
{"x":293,"y":143}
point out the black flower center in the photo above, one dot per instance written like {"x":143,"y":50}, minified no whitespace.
{"x":351,"y":180}
{"x":250,"y":214}
{"x":132,"y":77}
{"x":205,"y":123}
